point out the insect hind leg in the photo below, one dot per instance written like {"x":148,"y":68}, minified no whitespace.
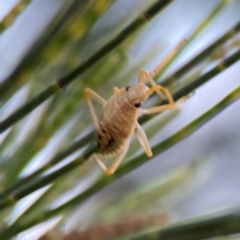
{"x":89,"y":94}
{"x":114,"y":166}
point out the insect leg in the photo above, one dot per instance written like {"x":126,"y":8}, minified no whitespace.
{"x":114,"y":166}
{"x":160,"y":89}
{"x":161,"y":108}
{"x":144,"y":76}
{"x":115,"y":90}
{"x":139,"y":132}
{"x":88,"y":93}
{"x":168,"y":58}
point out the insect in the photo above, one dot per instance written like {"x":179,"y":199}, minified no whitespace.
{"x":119,"y":115}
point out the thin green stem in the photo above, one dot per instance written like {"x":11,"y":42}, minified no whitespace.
{"x":13,"y":14}
{"x":59,"y":157}
{"x":61,"y":83}
{"x":214,"y":13}
{"x":39,"y":182}
{"x":124,"y":169}
{"x":27,"y":108}
{"x":201,"y":56}
{"x":15,"y":80}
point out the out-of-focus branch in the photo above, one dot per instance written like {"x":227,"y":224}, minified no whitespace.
{"x":123,"y":227}
{"x":197,"y":229}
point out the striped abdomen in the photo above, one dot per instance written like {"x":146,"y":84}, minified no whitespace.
{"x":116,"y":124}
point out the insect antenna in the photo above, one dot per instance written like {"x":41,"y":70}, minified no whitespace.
{"x":168,"y":58}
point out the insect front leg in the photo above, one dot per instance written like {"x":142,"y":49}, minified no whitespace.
{"x":160,"y":90}
{"x":144,"y":77}
{"x":161,"y":108}
{"x":89,"y":94}
{"x":114,"y":166}
{"x":163,"y":92}
{"x":142,"y":138}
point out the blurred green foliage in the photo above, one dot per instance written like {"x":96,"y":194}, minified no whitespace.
{"x":49,"y":132}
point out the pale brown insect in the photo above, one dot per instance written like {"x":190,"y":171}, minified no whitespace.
{"x":119,"y":115}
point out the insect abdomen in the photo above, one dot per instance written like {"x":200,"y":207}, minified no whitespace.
{"x":117,"y":122}
{"x":108,"y":143}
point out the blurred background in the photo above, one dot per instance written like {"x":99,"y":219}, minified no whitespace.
{"x":42,"y":41}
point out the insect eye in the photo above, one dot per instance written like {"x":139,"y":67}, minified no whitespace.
{"x":127,"y":88}
{"x":137,"y":105}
